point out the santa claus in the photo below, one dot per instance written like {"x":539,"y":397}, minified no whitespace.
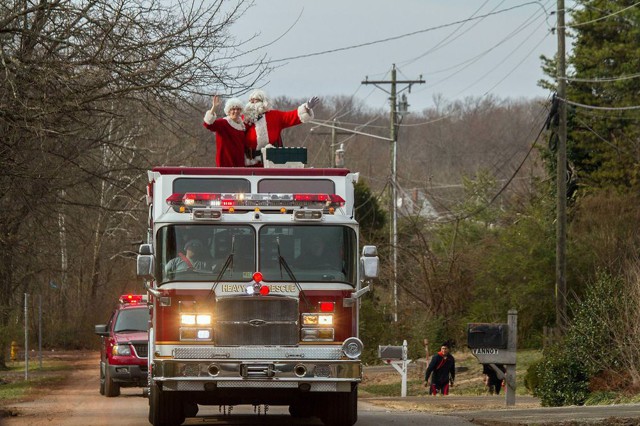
{"x":264,"y":124}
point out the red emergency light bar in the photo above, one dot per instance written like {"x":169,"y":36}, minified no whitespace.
{"x":205,"y":199}
{"x":131,"y":299}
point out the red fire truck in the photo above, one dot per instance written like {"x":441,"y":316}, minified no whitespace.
{"x":254,"y":277}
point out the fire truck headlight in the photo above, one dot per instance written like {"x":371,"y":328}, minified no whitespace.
{"x":325,"y":319}
{"x":195,"y":334}
{"x":317,"y":334}
{"x":204,"y":334}
{"x":309,"y":319}
{"x":188,"y":319}
{"x":203,"y":319}
{"x":317,"y":319}
{"x":352,"y":347}
{"x":121,"y":350}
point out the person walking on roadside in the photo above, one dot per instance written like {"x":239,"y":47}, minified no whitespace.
{"x":442,"y":370}
{"x":491,"y":381}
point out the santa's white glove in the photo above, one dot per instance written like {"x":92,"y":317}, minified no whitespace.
{"x":313,"y":101}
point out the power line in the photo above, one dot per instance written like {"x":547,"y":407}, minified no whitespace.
{"x":508,"y":181}
{"x":398,"y":37}
{"x":603,"y":17}
{"x":602,"y":79}
{"x":447,"y":39}
{"x":600,"y":108}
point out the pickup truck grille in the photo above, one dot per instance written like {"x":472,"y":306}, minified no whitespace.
{"x":257,"y":321}
{"x":142,"y":349}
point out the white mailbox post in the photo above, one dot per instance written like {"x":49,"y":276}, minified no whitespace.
{"x":397,"y":357}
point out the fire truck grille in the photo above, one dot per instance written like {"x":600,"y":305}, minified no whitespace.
{"x":257,"y":321}
{"x":142,"y":349}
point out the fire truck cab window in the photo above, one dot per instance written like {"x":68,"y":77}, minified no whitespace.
{"x":312,"y":253}
{"x":183,"y":185}
{"x":307,"y":186}
{"x":201,"y":252}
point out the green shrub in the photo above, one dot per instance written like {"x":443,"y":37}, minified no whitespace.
{"x":563,"y":379}
{"x":532,"y":378}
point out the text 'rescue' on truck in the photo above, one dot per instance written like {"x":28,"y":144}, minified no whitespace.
{"x":254,"y":278}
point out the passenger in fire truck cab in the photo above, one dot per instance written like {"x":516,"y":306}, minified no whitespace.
{"x":265,"y":124}
{"x":190,"y":259}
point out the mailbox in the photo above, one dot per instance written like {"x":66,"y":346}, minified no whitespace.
{"x":487,"y":335}
{"x":390,"y":352}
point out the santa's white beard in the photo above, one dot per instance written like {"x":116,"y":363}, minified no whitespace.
{"x":252,"y":111}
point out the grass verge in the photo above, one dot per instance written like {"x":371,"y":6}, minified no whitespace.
{"x":469,"y":378}
{"x":14,"y":387}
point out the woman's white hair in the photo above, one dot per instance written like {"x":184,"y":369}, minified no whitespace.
{"x":233,"y":103}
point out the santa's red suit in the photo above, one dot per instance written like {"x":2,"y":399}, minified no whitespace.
{"x":230,"y":140}
{"x":266,"y":130}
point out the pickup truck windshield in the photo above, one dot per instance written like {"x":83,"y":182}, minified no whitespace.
{"x":132,"y":320}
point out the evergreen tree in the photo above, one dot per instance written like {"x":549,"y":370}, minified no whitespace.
{"x":603,"y":93}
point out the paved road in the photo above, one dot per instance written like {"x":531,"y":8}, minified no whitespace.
{"x":78,"y":403}
{"x":83,"y":405}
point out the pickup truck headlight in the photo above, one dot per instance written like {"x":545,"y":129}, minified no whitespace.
{"x":121,"y":350}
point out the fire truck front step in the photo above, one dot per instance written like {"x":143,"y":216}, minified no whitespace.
{"x":257,"y":352}
{"x":200,"y":386}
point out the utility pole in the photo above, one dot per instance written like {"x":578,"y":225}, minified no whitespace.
{"x":334,"y":132}
{"x":561,"y":178}
{"x":393,"y":124}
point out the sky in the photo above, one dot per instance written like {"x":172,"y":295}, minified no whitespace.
{"x":460,"y":48}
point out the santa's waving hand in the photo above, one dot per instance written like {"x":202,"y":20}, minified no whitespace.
{"x":264,"y":124}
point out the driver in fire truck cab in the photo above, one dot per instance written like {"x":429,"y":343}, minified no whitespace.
{"x":124,"y":345}
{"x":193,"y":258}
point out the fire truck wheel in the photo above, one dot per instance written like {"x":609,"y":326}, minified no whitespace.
{"x":111,"y":388}
{"x":165,"y":409}
{"x":341,"y":409}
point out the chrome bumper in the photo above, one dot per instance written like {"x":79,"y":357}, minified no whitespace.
{"x":209,"y":374}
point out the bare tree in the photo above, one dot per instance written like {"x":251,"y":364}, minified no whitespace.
{"x":88,"y":96}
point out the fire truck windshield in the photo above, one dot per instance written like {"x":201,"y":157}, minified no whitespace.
{"x":313,"y":252}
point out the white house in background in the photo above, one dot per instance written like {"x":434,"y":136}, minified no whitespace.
{"x":414,"y":202}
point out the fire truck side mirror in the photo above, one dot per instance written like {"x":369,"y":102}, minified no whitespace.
{"x":145,"y":263}
{"x":145,"y":249}
{"x":369,"y":262}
